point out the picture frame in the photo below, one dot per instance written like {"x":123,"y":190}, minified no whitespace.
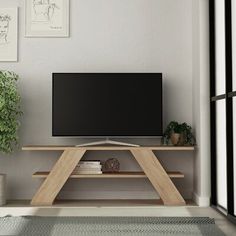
{"x":9,"y":34}
{"x":47,"y":18}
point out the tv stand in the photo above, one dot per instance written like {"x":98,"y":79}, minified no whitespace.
{"x":152,"y":169}
{"x":107,"y":142}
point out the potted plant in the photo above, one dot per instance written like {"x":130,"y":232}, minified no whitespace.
{"x":9,"y":114}
{"x":9,"y":111}
{"x":179,"y":134}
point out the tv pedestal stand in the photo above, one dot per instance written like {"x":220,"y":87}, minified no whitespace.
{"x":107,"y":142}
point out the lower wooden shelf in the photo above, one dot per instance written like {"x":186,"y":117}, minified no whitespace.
{"x":171,"y":174}
{"x":94,"y":203}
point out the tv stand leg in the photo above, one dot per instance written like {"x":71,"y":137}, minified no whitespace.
{"x":108,"y":142}
{"x":158,"y":177}
{"x":58,"y":176}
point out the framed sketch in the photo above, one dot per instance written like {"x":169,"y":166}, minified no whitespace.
{"x":47,"y":18}
{"x":8,"y":34}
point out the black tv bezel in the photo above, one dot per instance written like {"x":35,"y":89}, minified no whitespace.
{"x":107,"y":136}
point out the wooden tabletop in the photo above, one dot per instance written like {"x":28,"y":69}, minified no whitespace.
{"x":107,"y":148}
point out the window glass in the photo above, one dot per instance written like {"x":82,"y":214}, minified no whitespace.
{"x":234,"y":42}
{"x":220,"y":46}
{"x":221,"y":153}
{"x":234,"y":138}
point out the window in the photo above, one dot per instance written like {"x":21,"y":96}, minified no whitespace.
{"x":223,"y":104}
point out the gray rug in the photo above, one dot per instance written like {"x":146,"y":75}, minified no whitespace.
{"x":108,"y":226}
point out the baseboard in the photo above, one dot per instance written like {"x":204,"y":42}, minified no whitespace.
{"x":201,"y":201}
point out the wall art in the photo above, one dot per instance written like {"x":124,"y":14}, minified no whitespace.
{"x":47,"y":18}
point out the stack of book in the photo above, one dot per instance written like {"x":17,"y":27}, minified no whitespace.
{"x":88,"y":168}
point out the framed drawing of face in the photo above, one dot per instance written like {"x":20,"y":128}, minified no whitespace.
{"x":47,"y":18}
{"x":8,"y":34}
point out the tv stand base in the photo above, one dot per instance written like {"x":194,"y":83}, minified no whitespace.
{"x":108,"y":142}
{"x":71,"y":156}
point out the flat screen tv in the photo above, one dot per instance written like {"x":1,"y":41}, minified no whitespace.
{"x":107,"y":104}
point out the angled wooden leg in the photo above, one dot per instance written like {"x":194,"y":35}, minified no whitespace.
{"x":57,"y":177}
{"x":158,"y":177}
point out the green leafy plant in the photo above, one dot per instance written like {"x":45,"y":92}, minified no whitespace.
{"x":183,"y":129}
{"x":10,"y":111}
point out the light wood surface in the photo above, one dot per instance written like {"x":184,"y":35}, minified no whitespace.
{"x":57,"y":177}
{"x":107,"y":148}
{"x":171,"y":174}
{"x":158,"y":177}
{"x":79,"y":204}
{"x":63,"y":170}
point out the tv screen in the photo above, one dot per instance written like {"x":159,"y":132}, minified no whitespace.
{"x":107,"y":104}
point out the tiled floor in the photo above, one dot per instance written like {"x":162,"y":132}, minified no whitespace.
{"x":117,"y":208}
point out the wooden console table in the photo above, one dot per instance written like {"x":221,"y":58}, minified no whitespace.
{"x":152,"y":169}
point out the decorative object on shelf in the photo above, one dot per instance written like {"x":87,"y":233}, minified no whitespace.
{"x":179,"y":133}
{"x":47,"y":18}
{"x":8,"y":34}
{"x":2,"y":189}
{"x":175,"y":138}
{"x":88,"y":168}
{"x":9,"y":111}
{"x":112,"y":165}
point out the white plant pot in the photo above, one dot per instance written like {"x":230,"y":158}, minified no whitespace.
{"x":2,"y":189}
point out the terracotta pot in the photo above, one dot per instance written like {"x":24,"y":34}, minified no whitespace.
{"x":175,"y":138}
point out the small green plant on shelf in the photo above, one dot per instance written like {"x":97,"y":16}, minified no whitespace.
{"x":10,"y":111}
{"x":179,"y":134}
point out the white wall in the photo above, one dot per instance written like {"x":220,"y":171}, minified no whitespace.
{"x":106,"y":36}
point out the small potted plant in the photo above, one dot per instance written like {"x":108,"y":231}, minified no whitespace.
{"x":179,"y":134}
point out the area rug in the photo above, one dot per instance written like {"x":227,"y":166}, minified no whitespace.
{"x":108,"y":226}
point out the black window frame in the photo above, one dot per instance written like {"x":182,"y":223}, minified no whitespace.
{"x":228,"y":96}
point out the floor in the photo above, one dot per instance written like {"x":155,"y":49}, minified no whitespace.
{"x":116,"y":208}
